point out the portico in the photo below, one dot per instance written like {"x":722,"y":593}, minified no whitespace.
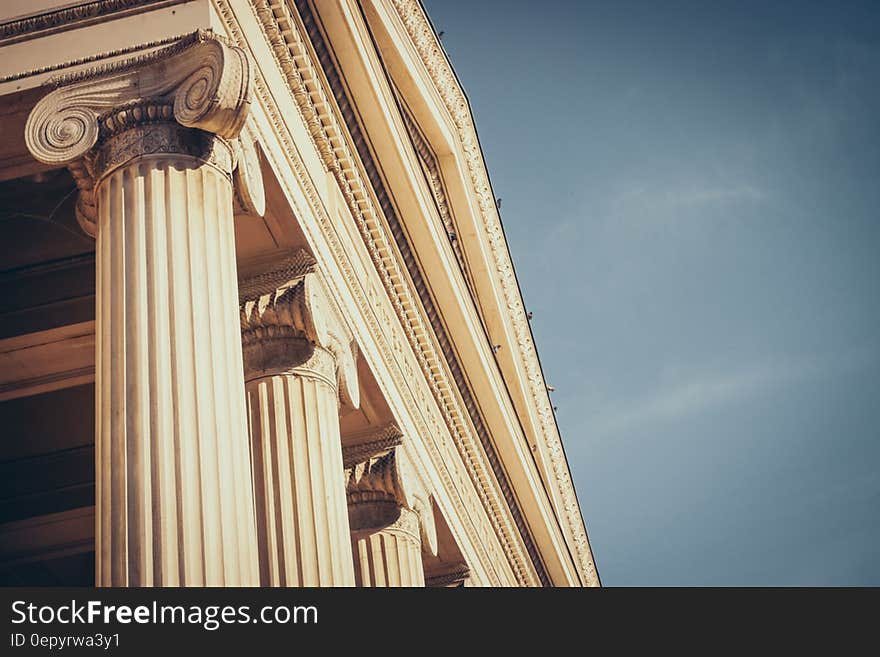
{"x":271,"y":364}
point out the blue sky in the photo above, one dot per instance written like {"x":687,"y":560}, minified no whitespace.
{"x":691,"y":192}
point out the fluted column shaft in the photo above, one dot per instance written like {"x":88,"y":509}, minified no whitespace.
{"x":174,"y":501}
{"x":389,"y":555}
{"x":302,"y":523}
{"x":153,"y":143}
{"x":300,"y":366}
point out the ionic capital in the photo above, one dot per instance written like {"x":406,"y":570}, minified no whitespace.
{"x":384,"y":491}
{"x":98,"y":119}
{"x":290,"y":324}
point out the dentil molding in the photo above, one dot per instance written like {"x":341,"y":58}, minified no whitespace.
{"x":296,"y":63}
{"x":416,"y":23}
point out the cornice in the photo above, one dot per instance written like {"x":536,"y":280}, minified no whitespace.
{"x":368,"y":200}
{"x":59,"y":20}
{"x":178,"y":45}
{"x":434,"y":178}
{"x":108,"y":54}
{"x":378,"y":322}
{"x":421,"y":33}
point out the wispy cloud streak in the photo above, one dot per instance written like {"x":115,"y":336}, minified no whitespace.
{"x":685,"y":396}
{"x":650,"y":199}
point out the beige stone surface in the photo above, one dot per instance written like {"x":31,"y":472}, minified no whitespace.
{"x":327,"y":149}
{"x":173,"y":492}
{"x":299,"y":360}
{"x":388,"y":522}
{"x":391,"y":555}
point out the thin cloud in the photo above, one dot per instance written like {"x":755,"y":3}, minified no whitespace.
{"x":716,"y":195}
{"x":689,"y":396}
{"x":650,"y":199}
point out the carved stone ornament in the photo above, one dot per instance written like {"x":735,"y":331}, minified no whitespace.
{"x":288,"y":37}
{"x":415,"y":21}
{"x":362,"y":445}
{"x":283,"y":31}
{"x":380,"y":486}
{"x":98,"y":119}
{"x":290,"y":324}
{"x":452,"y":575}
{"x":250,"y":197}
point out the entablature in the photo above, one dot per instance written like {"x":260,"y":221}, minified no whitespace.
{"x":422,"y":335}
{"x":418,"y":66}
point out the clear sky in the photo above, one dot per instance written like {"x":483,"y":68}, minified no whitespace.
{"x":691,"y":192}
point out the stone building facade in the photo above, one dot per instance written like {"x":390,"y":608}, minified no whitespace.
{"x":259,"y":323}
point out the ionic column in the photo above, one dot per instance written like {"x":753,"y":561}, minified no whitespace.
{"x":150,"y":143}
{"x":299,"y":366}
{"x":390,"y":523}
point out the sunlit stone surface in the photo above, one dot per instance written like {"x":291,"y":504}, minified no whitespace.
{"x":261,"y":325}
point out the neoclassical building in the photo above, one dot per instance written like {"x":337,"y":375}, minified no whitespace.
{"x":259,"y":324}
